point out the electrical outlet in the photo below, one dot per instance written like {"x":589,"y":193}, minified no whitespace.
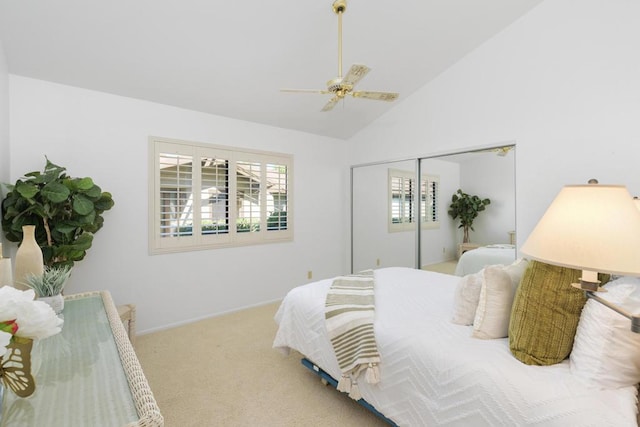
{"x":309,"y":274}
{"x":378,"y":262}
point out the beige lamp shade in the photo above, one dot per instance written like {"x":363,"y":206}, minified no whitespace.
{"x":589,"y":227}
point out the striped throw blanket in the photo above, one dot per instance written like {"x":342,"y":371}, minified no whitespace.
{"x":349,"y":315}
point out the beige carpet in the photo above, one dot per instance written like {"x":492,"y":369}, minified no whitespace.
{"x":448,"y":267}
{"x":223,"y":372}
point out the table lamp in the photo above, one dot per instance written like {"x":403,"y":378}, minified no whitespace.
{"x":594,"y":228}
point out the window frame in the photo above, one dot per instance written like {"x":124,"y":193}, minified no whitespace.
{"x":231,"y":237}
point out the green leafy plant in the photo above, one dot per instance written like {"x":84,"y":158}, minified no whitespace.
{"x":467,"y":208}
{"x":51,"y":282}
{"x":66,"y":211}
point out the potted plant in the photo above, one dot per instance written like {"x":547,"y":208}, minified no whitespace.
{"x":48,"y":286}
{"x":466,"y":208}
{"x":66,"y":211}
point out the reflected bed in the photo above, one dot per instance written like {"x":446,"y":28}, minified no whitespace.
{"x":476,"y":259}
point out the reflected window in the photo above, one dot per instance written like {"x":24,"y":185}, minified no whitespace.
{"x":429,"y":196}
{"x":402,"y":194}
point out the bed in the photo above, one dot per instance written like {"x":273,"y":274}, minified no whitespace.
{"x":474,"y":260}
{"x":433,"y":373}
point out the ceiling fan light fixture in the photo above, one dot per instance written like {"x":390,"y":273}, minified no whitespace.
{"x":341,"y":86}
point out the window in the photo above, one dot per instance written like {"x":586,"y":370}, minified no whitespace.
{"x":402,"y":192}
{"x":204,"y":196}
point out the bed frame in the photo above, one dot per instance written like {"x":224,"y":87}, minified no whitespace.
{"x":328,"y":379}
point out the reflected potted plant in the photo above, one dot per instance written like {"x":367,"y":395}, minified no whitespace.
{"x":467,"y":208}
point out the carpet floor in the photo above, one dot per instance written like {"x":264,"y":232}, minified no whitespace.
{"x":223,"y":372}
{"x":447,"y":267}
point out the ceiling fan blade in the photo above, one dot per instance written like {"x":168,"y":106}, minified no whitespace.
{"x":305,"y":91}
{"x":378,"y":96}
{"x":355,"y":74}
{"x":332,"y":103}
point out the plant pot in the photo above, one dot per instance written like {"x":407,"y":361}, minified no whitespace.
{"x":56,"y":302}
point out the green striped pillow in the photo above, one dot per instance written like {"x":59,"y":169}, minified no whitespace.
{"x":545,"y":314}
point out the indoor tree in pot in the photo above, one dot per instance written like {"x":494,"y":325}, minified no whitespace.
{"x":66,"y":212}
{"x":466,"y":208}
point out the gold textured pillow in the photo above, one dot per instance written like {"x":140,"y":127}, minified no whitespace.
{"x":545,"y":314}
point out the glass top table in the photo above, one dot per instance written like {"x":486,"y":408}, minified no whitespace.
{"x":88,"y":375}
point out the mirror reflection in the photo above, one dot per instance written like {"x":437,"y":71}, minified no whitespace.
{"x":391,"y":211}
{"x":383,"y":215}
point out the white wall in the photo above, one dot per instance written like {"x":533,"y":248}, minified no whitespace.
{"x":372,"y":241}
{"x":440,"y":244}
{"x":4,"y":130}
{"x":562,"y":82}
{"x":491,"y":176}
{"x":105,"y":137}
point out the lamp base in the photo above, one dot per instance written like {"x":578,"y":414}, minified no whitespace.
{"x":589,"y":286}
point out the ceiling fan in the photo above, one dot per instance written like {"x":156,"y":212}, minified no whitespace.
{"x":343,"y":86}
{"x":500,"y":151}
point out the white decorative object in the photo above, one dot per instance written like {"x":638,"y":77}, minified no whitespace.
{"x":605,"y":351}
{"x":49,"y":285}
{"x":23,"y":321}
{"x":494,"y":307}
{"x":28,"y":258}
{"x":466,"y":298}
{"x":56,"y":302}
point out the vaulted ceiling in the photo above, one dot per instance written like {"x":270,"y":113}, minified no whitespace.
{"x":231,"y":58}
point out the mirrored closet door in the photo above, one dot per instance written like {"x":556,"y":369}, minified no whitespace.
{"x":383,"y":215}
{"x":393,"y":209}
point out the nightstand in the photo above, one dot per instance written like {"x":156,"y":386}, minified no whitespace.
{"x":464,"y":247}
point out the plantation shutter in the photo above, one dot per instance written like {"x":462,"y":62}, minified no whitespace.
{"x":277,"y":196}
{"x":173,"y":214}
{"x":204,"y":196}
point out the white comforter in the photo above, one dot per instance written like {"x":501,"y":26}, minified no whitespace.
{"x":476,"y":259}
{"x":434,"y":373}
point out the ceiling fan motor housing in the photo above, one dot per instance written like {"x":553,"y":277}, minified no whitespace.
{"x":335,"y":85}
{"x":340,"y":6}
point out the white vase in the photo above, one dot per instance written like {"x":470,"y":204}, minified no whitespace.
{"x":28,"y":258}
{"x":56,"y":302}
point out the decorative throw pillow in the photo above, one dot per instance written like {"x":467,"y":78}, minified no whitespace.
{"x":545,"y":314}
{"x":494,"y":307}
{"x":466,"y":299}
{"x":606,"y":354}
{"x":516,"y":271}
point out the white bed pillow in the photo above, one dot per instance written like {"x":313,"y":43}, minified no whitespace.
{"x":516,"y":271}
{"x":494,"y":307}
{"x":606,"y":354}
{"x":466,"y":298}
